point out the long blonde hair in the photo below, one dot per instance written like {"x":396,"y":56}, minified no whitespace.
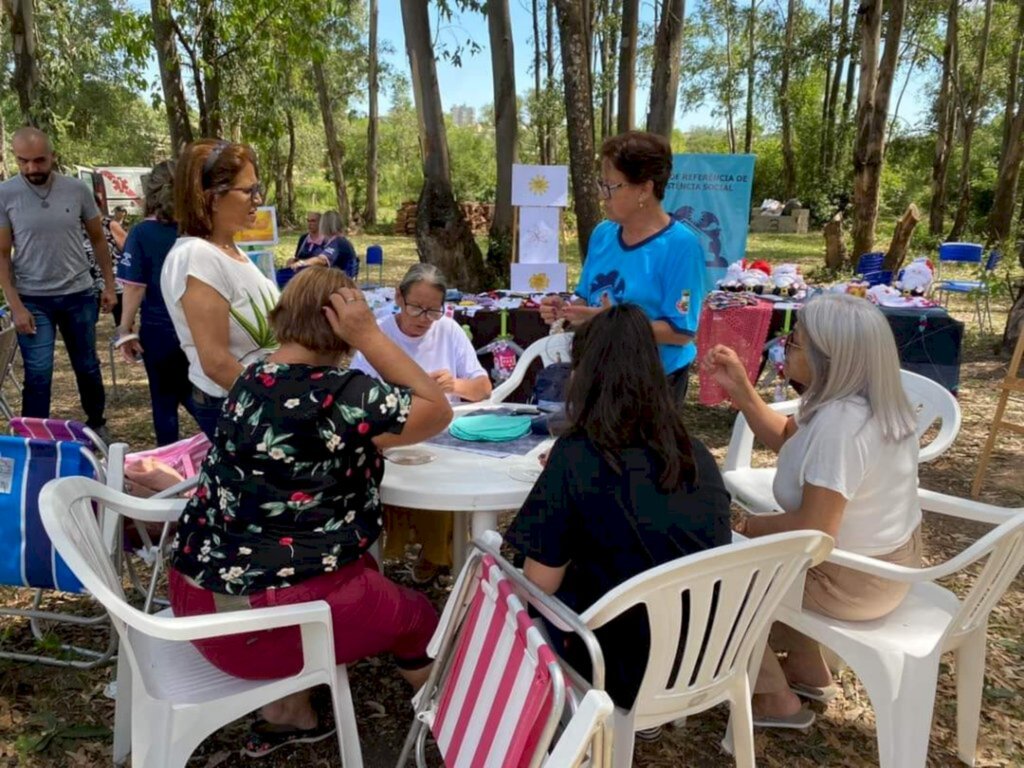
{"x":851,"y":351}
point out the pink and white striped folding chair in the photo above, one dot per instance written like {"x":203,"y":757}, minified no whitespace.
{"x":58,"y":429}
{"x":496,"y":694}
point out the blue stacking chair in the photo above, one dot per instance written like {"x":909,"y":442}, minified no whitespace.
{"x":869,"y":267}
{"x":27,"y":557}
{"x":968,"y":253}
{"x":375,"y":256}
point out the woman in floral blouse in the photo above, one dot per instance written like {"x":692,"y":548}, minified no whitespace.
{"x":288,"y":500}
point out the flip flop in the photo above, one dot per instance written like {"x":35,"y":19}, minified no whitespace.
{"x":800,"y":721}
{"x":265,"y":737}
{"x":814,"y":693}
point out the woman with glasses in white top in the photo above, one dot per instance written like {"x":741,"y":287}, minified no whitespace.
{"x":443,"y":350}
{"x":218,"y":300}
{"x":641,"y":255}
{"x":847,"y":466}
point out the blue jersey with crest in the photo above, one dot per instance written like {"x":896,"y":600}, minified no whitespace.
{"x":663,"y":274}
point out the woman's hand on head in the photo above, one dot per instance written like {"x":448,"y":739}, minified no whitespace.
{"x":350,"y":317}
{"x":727,"y":369}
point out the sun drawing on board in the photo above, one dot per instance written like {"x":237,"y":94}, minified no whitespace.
{"x":540,"y":281}
{"x":539,"y":184}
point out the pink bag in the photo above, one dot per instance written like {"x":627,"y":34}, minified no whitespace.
{"x":742,"y":328}
{"x":184,"y":457}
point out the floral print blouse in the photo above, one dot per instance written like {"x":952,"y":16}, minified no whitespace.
{"x":290,"y":488}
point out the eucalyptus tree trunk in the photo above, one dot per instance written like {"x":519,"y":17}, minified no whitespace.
{"x":730,"y":79}
{"x":289,"y":168}
{"x":335,"y":151}
{"x":970,"y":122}
{"x":506,"y":134}
{"x":373,"y":123}
{"x":828,"y":149}
{"x":26,"y":70}
{"x":208,"y":45}
{"x":945,"y":130}
{"x":876,"y":79}
{"x":443,"y":237}
{"x":537,"y":118}
{"x":668,"y":46}
{"x":627,"y":65}
{"x":748,"y":130}
{"x":549,"y":78}
{"x":579,"y":120}
{"x":1001,"y":216}
{"x":786,"y":108}
{"x":178,"y":124}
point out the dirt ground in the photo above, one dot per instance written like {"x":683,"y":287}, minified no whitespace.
{"x":51,"y":717}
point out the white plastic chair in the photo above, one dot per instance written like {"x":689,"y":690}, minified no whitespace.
{"x":897,"y":657}
{"x":556,"y":348}
{"x":712,"y":614}
{"x":497,"y":693}
{"x":751,"y":487}
{"x":170,"y":698}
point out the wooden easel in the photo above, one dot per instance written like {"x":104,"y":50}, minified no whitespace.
{"x":1012,"y":383}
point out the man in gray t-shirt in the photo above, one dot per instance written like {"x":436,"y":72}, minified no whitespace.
{"x":47,"y":281}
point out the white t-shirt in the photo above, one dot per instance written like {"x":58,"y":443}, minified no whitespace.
{"x":841,"y":448}
{"x":247,"y":290}
{"x":443,"y":346}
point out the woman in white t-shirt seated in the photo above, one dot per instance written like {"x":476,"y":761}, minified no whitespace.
{"x":217,"y":298}
{"x":439,"y":345}
{"x":847,"y":466}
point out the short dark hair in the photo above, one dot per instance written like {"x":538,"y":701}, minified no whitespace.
{"x":205,"y":169}
{"x":299,"y":314}
{"x":158,"y":186}
{"x":619,"y":396}
{"x":641,"y":156}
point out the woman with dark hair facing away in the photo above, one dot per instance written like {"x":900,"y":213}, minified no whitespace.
{"x":624,"y":489}
{"x":288,"y":501}
{"x":156,"y":343}
{"x":217,"y":298}
{"x":641,"y":255}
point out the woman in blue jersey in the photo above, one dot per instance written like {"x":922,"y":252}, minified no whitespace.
{"x":641,"y":255}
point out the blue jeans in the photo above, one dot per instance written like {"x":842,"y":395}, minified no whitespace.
{"x":206,"y":410}
{"x":167,"y":369}
{"x":75,"y":316}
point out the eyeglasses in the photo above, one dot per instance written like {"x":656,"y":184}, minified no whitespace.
{"x":791,"y":342}
{"x":415,"y":310}
{"x":255,"y":191}
{"x":604,"y":189}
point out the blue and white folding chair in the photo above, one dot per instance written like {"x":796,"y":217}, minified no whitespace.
{"x":969,"y":253}
{"x":27,"y":557}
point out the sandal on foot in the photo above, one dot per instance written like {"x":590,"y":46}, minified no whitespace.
{"x":824,"y":694}
{"x":801,"y":720}
{"x":266,"y":737}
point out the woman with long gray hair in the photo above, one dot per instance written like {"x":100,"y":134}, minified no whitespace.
{"x":156,"y":343}
{"x":847,"y":466}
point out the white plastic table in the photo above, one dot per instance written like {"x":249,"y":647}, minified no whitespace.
{"x":462,"y":483}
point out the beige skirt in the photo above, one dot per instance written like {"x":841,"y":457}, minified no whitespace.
{"x":850,"y":595}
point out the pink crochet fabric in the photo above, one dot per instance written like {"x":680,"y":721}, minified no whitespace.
{"x":742,"y":328}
